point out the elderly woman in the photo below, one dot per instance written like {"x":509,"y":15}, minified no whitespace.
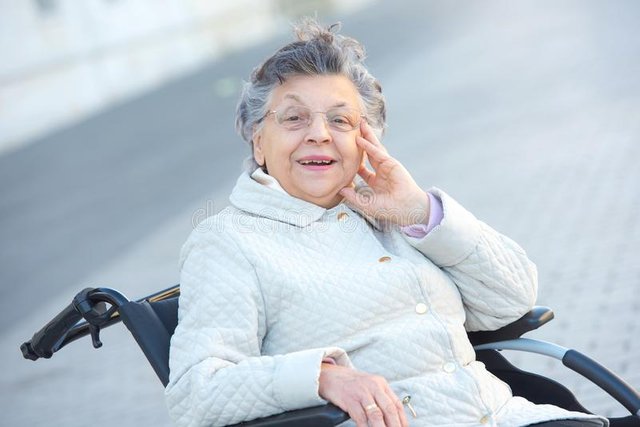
{"x":309,"y":289}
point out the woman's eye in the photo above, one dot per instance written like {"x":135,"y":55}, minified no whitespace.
{"x":294,"y":115}
{"x":340,"y":120}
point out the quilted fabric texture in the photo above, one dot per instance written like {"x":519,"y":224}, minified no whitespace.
{"x":272,"y":285}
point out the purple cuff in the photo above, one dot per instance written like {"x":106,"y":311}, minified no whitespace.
{"x":436,"y":214}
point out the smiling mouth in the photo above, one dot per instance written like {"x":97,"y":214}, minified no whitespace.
{"x":316,"y":162}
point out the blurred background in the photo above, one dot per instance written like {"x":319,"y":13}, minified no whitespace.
{"x":117,"y":137}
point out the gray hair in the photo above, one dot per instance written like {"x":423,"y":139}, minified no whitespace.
{"x":317,"y":51}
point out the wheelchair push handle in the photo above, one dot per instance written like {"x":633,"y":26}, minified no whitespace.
{"x":46,"y":341}
{"x":88,"y":304}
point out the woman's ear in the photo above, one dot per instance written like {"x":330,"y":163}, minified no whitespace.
{"x":258,"y":154}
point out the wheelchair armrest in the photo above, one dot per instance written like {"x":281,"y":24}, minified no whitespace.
{"x":318,"y":416}
{"x":535,"y":318}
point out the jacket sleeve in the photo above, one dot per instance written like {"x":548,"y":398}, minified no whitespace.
{"x":496,"y":280}
{"x":217,"y":374}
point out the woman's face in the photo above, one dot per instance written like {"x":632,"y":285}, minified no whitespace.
{"x":313,"y":162}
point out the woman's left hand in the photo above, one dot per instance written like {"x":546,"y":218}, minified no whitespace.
{"x":392,"y":194}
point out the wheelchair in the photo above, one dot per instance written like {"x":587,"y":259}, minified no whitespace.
{"x":152,"y":320}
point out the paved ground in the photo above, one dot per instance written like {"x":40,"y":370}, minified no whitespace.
{"x":528,"y":113}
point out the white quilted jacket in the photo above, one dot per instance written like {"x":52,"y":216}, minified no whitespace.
{"x":272,"y":285}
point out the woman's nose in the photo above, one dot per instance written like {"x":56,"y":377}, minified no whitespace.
{"x":318,"y":130}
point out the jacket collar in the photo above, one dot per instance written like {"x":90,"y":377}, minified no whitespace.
{"x":266,"y":198}
{"x":261,"y":195}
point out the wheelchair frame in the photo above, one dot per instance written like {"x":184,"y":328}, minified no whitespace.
{"x":152,"y":320}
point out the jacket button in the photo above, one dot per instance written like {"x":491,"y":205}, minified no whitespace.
{"x":384,"y":259}
{"x":485,"y":419}
{"x":421,"y":308}
{"x":449,"y":367}
{"x":342,"y":216}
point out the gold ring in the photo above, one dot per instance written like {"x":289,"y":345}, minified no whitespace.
{"x":370,"y":407}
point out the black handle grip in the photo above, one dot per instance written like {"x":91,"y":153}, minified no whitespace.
{"x":605,"y":379}
{"x":45,"y":342}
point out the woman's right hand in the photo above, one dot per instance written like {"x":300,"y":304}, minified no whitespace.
{"x":368,"y":399}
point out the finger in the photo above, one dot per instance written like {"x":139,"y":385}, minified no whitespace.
{"x":358,"y":415}
{"x":374,"y":152}
{"x":389,"y":409}
{"x":364,"y":160}
{"x":377,"y":145}
{"x":369,"y":134}
{"x":404,"y":421}
{"x":366,"y":132}
{"x":366,"y":174}
{"x":350,"y":196}
{"x":375,"y":416}
{"x":399,"y":406}
{"x":361,"y":199}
